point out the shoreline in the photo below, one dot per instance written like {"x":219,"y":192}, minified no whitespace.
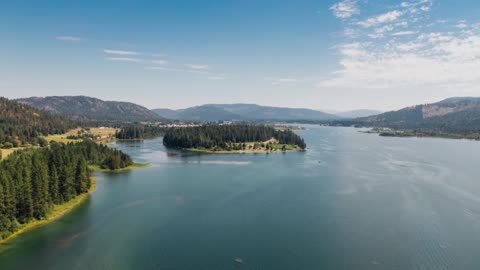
{"x":206,"y":151}
{"x":419,"y":134}
{"x":57,"y":212}
{"x":134,"y":166}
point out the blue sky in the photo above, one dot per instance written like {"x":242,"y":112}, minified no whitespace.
{"x":330,"y":55}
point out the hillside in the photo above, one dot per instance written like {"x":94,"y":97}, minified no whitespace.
{"x":248,"y":112}
{"x":459,"y":113}
{"x":22,"y":124}
{"x":88,"y":108}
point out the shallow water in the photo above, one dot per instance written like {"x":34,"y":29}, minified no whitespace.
{"x":352,"y":201}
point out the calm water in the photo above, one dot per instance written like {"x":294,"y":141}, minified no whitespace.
{"x":352,"y":201}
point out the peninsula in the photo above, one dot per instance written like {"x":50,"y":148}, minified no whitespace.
{"x":223,"y":139}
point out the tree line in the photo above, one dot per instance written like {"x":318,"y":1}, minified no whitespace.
{"x":138,"y":132}
{"x":21,"y":124}
{"x":32,"y":181}
{"x":209,"y":136}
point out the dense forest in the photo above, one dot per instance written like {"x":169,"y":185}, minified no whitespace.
{"x":82,"y":108}
{"x":32,"y":181}
{"x":209,"y":136}
{"x":138,"y":132}
{"x":21,"y":124}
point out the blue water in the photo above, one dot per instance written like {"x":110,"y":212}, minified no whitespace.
{"x":351,"y":201}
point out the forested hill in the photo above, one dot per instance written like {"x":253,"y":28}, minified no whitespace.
{"x":243,"y":112}
{"x":88,"y":108}
{"x":223,"y":136}
{"x":455,"y":114}
{"x":21,"y":124}
{"x":33,"y":181}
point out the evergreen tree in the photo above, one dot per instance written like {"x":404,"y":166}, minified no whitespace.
{"x":33,"y":180}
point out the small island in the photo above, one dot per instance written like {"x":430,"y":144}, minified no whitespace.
{"x":228,"y":139}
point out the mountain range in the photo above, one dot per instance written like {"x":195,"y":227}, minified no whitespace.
{"x":244,"y":112}
{"x":458,"y":113}
{"x":88,"y":108}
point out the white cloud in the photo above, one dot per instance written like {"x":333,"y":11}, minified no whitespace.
{"x":379,"y":32}
{"x":120,"y":52}
{"x":68,"y":38}
{"x":410,"y":46}
{"x":403,"y":33}
{"x":160,"y":62}
{"x":425,"y":8}
{"x":425,"y":3}
{"x":380,"y":19}
{"x":350,"y":32}
{"x":177,"y":69}
{"x":396,"y":54}
{"x":123,"y":59}
{"x":197,"y":66}
{"x":445,"y":64}
{"x":345,"y":9}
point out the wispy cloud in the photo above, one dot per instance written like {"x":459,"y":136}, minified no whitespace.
{"x":176,"y":69}
{"x":198,"y":66}
{"x":68,"y":38}
{"x":123,"y":59}
{"x":409,"y":56}
{"x":121,"y":52}
{"x":345,"y":9}
{"x":201,"y":70}
{"x":380,"y":19}
{"x":403,"y":33}
{"x":160,"y":62}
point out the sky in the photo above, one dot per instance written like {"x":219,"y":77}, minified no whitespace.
{"x":326,"y":55}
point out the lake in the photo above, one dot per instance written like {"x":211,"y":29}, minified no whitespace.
{"x":351,"y":201}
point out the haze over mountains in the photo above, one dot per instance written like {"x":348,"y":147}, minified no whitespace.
{"x":357,"y":113}
{"x":244,"y":112}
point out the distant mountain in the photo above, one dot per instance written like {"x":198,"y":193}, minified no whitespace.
{"x":204,"y":113}
{"x":458,"y":113}
{"x":21,"y":124}
{"x":167,"y":113}
{"x":357,"y":113}
{"x":88,"y":108}
{"x":225,"y":112}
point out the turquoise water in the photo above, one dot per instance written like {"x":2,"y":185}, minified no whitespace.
{"x":352,"y":201}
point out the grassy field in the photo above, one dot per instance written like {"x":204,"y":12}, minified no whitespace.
{"x":102,"y":135}
{"x":131,"y":167}
{"x":55,"y":213}
{"x":7,"y":152}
